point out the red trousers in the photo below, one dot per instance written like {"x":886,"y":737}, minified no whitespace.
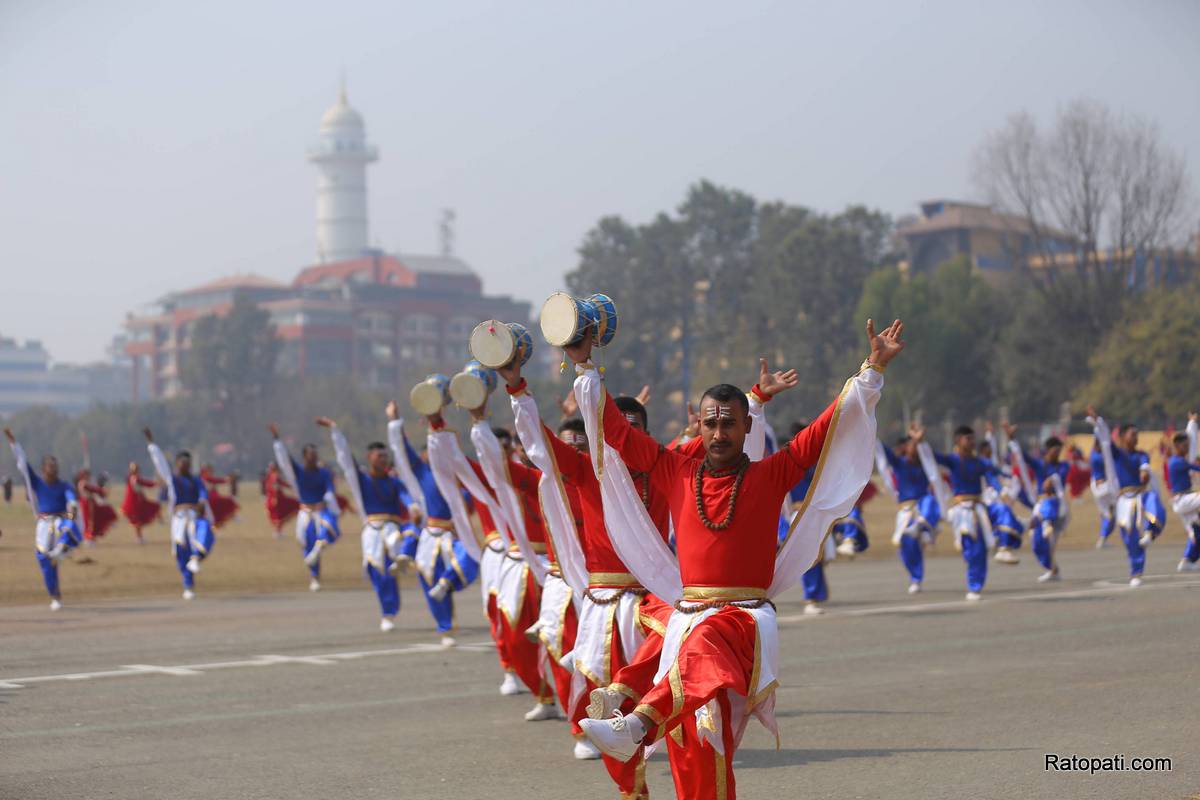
{"x":515,"y":648}
{"x":716,"y":657}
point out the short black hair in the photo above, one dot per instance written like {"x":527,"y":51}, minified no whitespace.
{"x":502,"y":433}
{"x":376,"y":446}
{"x":726,"y":393}
{"x":797,"y":426}
{"x":630,"y":405}
{"x":1180,"y":438}
{"x":307,"y":447}
{"x":1125,"y":426}
{"x":1052,"y":441}
{"x":573,"y":424}
{"x":182,"y":454}
{"x":903,"y":440}
{"x":964,"y":430}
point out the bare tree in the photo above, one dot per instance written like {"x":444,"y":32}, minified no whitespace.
{"x":1102,"y":185}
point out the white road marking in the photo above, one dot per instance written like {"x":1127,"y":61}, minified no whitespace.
{"x":1099,"y":588}
{"x":183,"y":670}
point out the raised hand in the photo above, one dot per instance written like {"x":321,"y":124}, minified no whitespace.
{"x":392,"y":410}
{"x":885,"y":345}
{"x":274,"y":429}
{"x":1010,"y":430}
{"x":149,"y":436}
{"x":1193,"y":416}
{"x":325,"y":422}
{"x":569,"y":405}
{"x":511,"y":373}
{"x":8,"y":434}
{"x":693,"y":424}
{"x":916,"y":432}
{"x":643,"y":396}
{"x":580,"y":352}
{"x":772,"y":383}
{"x":435,"y":420}
{"x":1091,"y":412}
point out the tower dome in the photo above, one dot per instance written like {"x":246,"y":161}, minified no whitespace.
{"x":341,"y":115}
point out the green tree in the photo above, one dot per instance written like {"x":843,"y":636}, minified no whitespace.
{"x":952,"y":321}
{"x":1145,"y":369}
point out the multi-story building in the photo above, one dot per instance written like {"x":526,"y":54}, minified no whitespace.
{"x":997,"y":244}
{"x":28,"y":378}
{"x":359,"y":313}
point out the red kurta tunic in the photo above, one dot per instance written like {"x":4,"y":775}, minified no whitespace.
{"x":136,"y":507}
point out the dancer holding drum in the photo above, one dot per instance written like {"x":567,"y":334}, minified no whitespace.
{"x":447,"y":560}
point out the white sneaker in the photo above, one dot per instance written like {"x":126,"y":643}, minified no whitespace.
{"x":314,"y":585}
{"x":440,"y":590}
{"x":586,"y":751}
{"x":603,"y":702}
{"x":1101,"y":543}
{"x":55,"y":604}
{"x":314,"y":555}
{"x":510,"y":685}
{"x":193,"y":565}
{"x":1135,"y":582}
{"x":613,"y":737}
{"x":974,"y":596}
{"x":1051,"y":575}
{"x":847,"y":549}
{"x":386,"y":625}
{"x":914,"y":588}
{"x":188,"y":594}
{"x":1006,"y":556}
{"x":813,"y":610}
{"x":541,"y":712}
{"x":1146,"y":539}
{"x":1187,"y":566}
{"x":448,"y":640}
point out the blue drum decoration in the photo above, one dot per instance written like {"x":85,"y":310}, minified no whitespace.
{"x":471,"y":387}
{"x":497,"y":344}
{"x":430,"y":395}
{"x":566,"y":320}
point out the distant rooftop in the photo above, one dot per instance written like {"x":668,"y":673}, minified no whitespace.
{"x":248,"y":281}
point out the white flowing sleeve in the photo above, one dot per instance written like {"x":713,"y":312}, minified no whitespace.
{"x":1104,"y":437}
{"x":1022,"y":470}
{"x":345,"y":461}
{"x":23,"y":467}
{"x":159,"y":460}
{"x":283,"y":460}
{"x":934,"y":475}
{"x":555,"y":507}
{"x":395,"y":436}
{"x":843,"y":469}
{"x":634,"y":536}
{"x":441,"y":462}
{"x":492,"y":461}
{"x":755,"y":445}
{"x":884,"y":468}
{"x":1193,"y":434}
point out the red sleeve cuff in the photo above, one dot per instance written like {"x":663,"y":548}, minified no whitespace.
{"x":517,"y":389}
{"x":438,"y":424}
{"x":759,"y":395}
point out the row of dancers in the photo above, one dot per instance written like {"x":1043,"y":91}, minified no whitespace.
{"x":629,"y":584}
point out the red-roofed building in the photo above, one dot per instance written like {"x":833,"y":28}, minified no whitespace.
{"x":377,"y":320}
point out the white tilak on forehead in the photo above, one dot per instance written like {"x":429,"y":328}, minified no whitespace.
{"x":716,"y":411}
{"x":573,"y":437}
{"x":632,"y":418}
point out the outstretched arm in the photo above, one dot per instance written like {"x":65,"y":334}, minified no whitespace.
{"x":345,"y":462}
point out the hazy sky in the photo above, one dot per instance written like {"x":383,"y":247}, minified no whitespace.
{"x":150,"y":146}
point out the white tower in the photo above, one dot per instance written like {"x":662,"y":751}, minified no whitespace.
{"x":341,"y":155}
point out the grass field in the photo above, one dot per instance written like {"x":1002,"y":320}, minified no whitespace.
{"x":247,"y":558}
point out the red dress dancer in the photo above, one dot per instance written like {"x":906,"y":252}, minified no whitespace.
{"x":223,"y":506}
{"x":280,"y":507}
{"x":723,"y":658}
{"x":135,"y":507}
{"x":98,"y":515}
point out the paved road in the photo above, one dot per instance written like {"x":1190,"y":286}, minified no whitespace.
{"x":291,"y":696}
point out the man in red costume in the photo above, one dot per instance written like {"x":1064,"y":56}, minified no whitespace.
{"x":722,"y":650}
